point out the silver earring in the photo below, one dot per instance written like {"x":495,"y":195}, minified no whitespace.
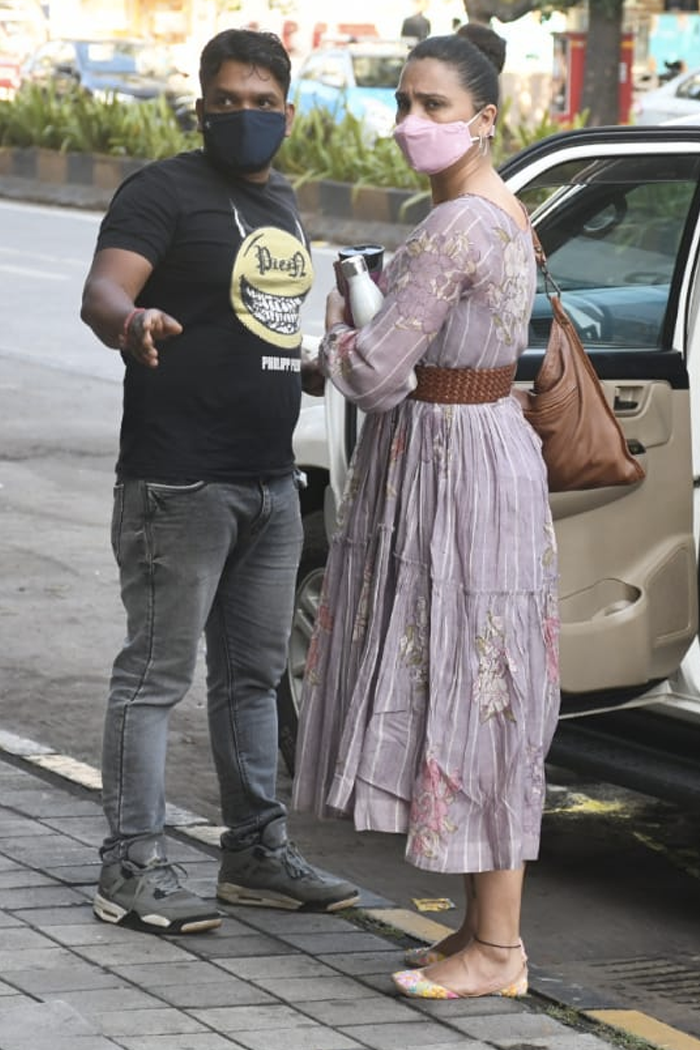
{"x":483,"y":145}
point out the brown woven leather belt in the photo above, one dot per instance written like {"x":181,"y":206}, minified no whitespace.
{"x":463,"y":386}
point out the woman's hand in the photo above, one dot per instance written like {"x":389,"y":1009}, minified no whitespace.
{"x":335,"y":309}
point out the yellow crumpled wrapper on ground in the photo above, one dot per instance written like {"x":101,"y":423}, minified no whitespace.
{"x":433,"y":903}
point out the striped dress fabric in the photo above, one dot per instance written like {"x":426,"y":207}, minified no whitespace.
{"x":431,"y":690}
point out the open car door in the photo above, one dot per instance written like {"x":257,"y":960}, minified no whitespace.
{"x":616,"y":210}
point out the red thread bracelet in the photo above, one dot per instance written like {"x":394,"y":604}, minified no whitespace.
{"x":127,"y":324}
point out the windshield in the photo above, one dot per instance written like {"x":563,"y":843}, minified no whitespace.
{"x":125,"y":56}
{"x":377,"y":71}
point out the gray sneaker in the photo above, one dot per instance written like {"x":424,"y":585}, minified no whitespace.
{"x":273,"y":874}
{"x":151,"y":898}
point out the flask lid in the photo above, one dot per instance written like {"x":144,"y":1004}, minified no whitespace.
{"x":353,"y":265}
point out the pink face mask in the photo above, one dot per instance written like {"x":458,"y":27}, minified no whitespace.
{"x":430,"y":147}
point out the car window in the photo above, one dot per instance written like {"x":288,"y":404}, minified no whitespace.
{"x":690,"y":88}
{"x":311,"y":69}
{"x":611,"y":230}
{"x":377,"y":71}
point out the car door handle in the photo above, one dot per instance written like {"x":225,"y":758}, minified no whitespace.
{"x":623,"y":404}
{"x":636,"y":447}
{"x":627,"y":398}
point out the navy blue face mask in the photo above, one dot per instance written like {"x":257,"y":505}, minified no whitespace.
{"x":244,"y":141}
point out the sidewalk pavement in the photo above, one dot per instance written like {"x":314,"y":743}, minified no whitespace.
{"x":266,"y":980}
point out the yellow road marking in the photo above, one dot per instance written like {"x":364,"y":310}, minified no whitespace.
{"x":635,"y":1023}
{"x":408,"y":922}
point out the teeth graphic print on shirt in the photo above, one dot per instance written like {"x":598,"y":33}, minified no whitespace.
{"x":271,"y":277}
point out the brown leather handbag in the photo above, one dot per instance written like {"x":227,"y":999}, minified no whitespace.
{"x":582,"y":443}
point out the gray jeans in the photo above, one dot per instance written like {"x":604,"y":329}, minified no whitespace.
{"x":214,"y":558}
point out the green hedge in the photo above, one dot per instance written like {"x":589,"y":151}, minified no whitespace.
{"x":318,"y":148}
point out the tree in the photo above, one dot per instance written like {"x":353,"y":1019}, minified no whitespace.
{"x":600,"y":81}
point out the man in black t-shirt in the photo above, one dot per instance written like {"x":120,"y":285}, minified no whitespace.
{"x":198,"y":277}
{"x":416,"y":25}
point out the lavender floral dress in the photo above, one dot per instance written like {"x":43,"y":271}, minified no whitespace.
{"x":431,"y":691}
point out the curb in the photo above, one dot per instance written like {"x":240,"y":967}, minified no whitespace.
{"x":334,"y":211}
{"x":625,"y":1023}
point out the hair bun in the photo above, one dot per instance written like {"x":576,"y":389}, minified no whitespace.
{"x":491,"y":45}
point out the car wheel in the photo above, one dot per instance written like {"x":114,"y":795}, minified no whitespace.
{"x":306,"y":600}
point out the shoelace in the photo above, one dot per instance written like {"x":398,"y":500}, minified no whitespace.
{"x":295,"y":864}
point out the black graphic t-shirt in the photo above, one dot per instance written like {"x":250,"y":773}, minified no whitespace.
{"x":231,"y":264}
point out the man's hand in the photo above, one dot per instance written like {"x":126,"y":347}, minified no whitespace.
{"x":145,"y":329}
{"x":313,"y":381}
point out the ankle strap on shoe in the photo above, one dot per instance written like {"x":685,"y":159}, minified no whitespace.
{"x":490,"y":944}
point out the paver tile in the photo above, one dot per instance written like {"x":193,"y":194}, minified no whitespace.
{"x":51,"y":958}
{"x":9,"y":864}
{"x":7,"y":919}
{"x":227,"y":992}
{"x":247,"y":945}
{"x":102,"y":1000}
{"x":146,"y":948}
{"x":307,"y":989}
{"x":32,"y":1021}
{"x":236,"y":1019}
{"x":510,"y":1029}
{"x":19,"y":876}
{"x":14,"y":826}
{"x":159,"y":975}
{"x":303,"y":1038}
{"x":43,"y":918}
{"x":368,"y":1010}
{"x":422,"y":1034}
{"x":71,"y":976}
{"x":385,"y":962}
{"x":88,"y":828}
{"x":572,"y":1040}
{"x":293,"y":965}
{"x":22,"y":937}
{"x":331,"y":943}
{"x":277,"y":921}
{"x":93,"y":932}
{"x":38,"y":897}
{"x":484,"y":1006}
{"x":191,"y":1041}
{"x":164,"y":1021}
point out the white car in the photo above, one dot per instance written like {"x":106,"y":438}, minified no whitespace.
{"x":618,"y":213}
{"x":679,"y":97}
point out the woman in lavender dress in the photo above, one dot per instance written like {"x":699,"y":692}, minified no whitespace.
{"x":431,"y":693}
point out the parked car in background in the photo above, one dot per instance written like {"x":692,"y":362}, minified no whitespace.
{"x":9,"y":75}
{"x":618,"y":213}
{"x":679,"y":97}
{"x":126,"y":70}
{"x":358,"y":77}
{"x":23,"y":27}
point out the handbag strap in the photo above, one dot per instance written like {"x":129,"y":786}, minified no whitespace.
{"x":550,"y":285}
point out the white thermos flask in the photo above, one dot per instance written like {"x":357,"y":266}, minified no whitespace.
{"x":364,"y":297}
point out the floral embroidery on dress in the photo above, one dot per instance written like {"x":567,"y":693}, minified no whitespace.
{"x":398,"y":445}
{"x":430,"y":267}
{"x":549,"y":555}
{"x":352,"y":486}
{"x":324,"y":623}
{"x":550,"y":633}
{"x":495,"y":668}
{"x":413,"y":646}
{"x":534,"y":787}
{"x":430,"y":821}
{"x":359,"y":627}
{"x":335,"y":351}
{"x":510,"y":300}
